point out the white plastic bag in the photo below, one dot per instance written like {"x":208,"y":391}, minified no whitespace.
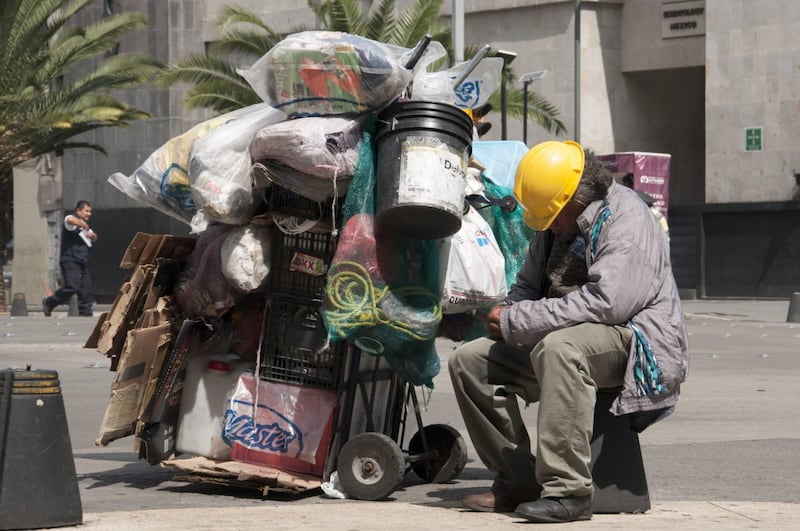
{"x":245,"y":257}
{"x":472,"y":92}
{"x":472,"y":267}
{"x":219,"y":165}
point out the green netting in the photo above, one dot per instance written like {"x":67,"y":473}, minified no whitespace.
{"x":510,"y":231}
{"x":382,"y":292}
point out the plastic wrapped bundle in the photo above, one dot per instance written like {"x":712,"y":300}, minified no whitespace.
{"x":219,"y":166}
{"x":314,"y":157}
{"x":246,"y":257}
{"x":315,"y":73}
{"x":321,"y":146}
{"x":162,"y":181}
{"x":303,"y":184}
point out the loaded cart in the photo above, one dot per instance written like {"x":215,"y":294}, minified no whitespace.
{"x":374,"y":404}
{"x":284,"y":343}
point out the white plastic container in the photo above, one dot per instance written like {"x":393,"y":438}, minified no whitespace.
{"x":208,"y":379}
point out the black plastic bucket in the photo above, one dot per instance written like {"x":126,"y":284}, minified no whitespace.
{"x":423,"y":149}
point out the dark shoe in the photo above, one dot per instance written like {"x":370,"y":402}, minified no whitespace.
{"x":46,"y":309}
{"x":556,"y":510}
{"x":489,"y":502}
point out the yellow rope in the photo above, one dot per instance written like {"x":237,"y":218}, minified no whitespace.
{"x":355,"y":302}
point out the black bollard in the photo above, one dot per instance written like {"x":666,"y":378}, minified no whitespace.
{"x":73,"y":307}
{"x":19,"y":308}
{"x":793,"y":316}
{"x":38,"y":486}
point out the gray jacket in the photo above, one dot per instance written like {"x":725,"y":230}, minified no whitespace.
{"x":630,"y":278}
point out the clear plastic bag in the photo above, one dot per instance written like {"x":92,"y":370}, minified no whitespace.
{"x":162,"y":181}
{"x":245,"y":254}
{"x":314,"y":73}
{"x":166,"y":182}
{"x":219,"y":166}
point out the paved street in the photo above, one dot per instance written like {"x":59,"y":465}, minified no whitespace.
{"x":727,"y":458}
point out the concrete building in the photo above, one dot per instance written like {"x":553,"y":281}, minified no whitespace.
{"x":713,"y":83}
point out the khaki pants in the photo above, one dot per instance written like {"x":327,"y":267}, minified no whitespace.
{"x":562,"y":373}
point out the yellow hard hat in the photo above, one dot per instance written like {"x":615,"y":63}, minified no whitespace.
{"x":547,"y":177}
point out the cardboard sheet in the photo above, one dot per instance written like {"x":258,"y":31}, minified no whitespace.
{"x":235,"y":473}
{"x":143,"y":348}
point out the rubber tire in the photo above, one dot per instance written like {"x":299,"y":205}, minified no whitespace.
{"x":374,"y":450}
{"x":452,"y":453}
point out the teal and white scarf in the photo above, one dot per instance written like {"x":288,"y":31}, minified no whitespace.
{"x":645,"y":370}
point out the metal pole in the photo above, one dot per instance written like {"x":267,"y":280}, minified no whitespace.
{"x":526,"y":80}
{"x":577,"y":81}
{"x":525,"y":112}
{"x":503,"y":135}
{"x":457,"y":30}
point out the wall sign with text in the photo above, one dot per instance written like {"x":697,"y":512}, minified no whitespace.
{"x":683,"y":19}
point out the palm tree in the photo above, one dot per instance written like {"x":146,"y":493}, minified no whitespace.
{"x":243,"y":35}
{"x":55,"y":80}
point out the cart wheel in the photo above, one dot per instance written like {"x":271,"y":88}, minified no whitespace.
{"x":451,"y":452}
{"x":371,"y":466}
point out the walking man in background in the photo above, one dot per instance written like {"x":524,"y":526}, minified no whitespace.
{"x":76,"y":240}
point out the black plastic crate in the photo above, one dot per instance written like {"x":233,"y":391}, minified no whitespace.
{"x":295,"y":348}
{"x":299,"y":263}
{"x":284,"y":201}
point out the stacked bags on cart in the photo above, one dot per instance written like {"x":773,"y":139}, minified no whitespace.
{"x":253,"y":181}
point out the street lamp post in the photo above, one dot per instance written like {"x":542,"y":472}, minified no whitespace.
{"x":508,"y":58}
{"x":526,"y":80}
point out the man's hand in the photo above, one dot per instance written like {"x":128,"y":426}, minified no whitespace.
{"x":493,"y":322}
{"x":91,"y":235}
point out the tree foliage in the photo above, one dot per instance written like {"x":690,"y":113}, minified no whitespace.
{"x":55,"y":83}
{"x":244,"y":38}
{"x":56,"y":80}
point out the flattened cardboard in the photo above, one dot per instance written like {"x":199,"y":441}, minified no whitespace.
{"x":91,"y":341}
{"x":160,"y":313}
{"x":167,"y":393}
{"x":145,"y":248}
{"x":123,"y":312}
{"x":156,"y":367}
{"x":129,"y":385}
{"x":235,"y":473}
{"x":131,"y":257}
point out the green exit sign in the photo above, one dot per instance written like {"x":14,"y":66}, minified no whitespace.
{"x":752,"y":139}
